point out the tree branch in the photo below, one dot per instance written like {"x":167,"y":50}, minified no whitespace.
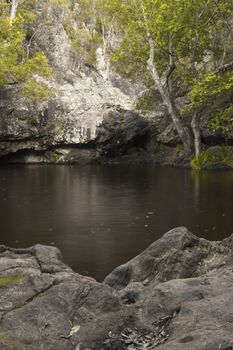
{"x":151,"y":59}
{"x":224,"y":68}
{"x":225,"y":20}
{"x":171,"y":66}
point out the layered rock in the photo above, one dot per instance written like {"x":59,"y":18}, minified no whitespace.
{"x":82,"y":97}
{"x":174,"y":295}
{"x":86,"y":96}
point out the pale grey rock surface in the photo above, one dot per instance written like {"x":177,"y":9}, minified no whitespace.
{"x":66,"y":128}
{"x":174,"y":295}
{"x":82,"y":97}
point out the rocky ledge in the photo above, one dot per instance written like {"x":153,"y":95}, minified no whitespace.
{"x":175,"y":295}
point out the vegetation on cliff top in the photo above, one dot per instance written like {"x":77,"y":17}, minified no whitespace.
{"x":177,"y":48}
{"x":18,"y":64}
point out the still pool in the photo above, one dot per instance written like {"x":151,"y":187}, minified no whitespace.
{"x":100,"y":216}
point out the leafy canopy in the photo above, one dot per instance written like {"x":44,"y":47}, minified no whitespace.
{"x":198,"y":34}
{"x":17,"y":65}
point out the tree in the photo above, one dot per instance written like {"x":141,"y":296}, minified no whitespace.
{"x":16,"y":66}
{"x":173,"y":40}
{"x":213,"y":85}
{"x":13,"y":8}
{"x":93,"y":30}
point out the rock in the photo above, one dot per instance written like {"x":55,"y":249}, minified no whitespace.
{"x":219,"y":157}
{"x":42,"y":301}
{"x":184,"y":251}
{"x":81,"y":122}
{"x":82,"y":97}
{"x":169,"y":136}
{"x":174,"y":295}
{"x":121,"y":130}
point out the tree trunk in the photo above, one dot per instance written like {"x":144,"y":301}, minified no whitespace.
{"x":162,"y":84}
{"x":13,"y":11}
{"x":196,"y":133}
{"x":183,"y":132}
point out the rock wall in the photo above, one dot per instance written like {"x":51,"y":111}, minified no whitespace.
{"x":83,"y":96}
{"x":90,"y":117}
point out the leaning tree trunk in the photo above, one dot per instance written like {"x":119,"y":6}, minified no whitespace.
{"x":162,"y":84}
{"x":196,"y":132}
{"x":183,"y":131}
{"x":13,"y":10}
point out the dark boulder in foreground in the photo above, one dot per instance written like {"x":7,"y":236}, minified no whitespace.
{"x":176,"y":295}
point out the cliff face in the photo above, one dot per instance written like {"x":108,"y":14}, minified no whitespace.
{"x":83,"y":96}
{"x":90,"y":116}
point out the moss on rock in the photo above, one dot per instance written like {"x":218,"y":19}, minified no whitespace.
{"x":8,"y":280}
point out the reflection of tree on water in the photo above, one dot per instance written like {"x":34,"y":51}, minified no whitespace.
{"x":212,"y":203}
{"x":195,"y":175}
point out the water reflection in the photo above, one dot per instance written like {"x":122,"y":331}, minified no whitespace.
{"x":101,"y":216}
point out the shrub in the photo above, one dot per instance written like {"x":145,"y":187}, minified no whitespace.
{"x":199,"y":162}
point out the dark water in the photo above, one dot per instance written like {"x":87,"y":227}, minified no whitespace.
{"x":101,"y":216}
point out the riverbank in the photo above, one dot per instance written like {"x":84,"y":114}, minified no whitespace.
{"x":175,"y":294}
{"x":123,"y":136}
{"x":213,"y":157}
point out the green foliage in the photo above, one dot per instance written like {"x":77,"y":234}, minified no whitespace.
{"x":199,"y":162}
{"x":90,"y":31}
{"x":145,"y":104}
{"x":61,"y":3}
{"x":222,"y":120}
{"x":225,"y":155}
{"x":11,"y":48}
{"x":179,"y":149}
{"x":130,"y":58}
{"x":36,"y":91}
{"x":199,"y":35}
{"x":84,"y":43}
{"x":55,"y":158}
{"x":165,"y":20}
{"x":209,"y":87}
{"x":16,"y":64}
{"x":206,"y":91}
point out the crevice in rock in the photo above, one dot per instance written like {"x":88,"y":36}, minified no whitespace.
{"x":25,"y":302}
{"x":137,"y":338}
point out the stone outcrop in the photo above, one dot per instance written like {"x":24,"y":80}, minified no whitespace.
{"x":83,"y":113}
{"x":120,"y":131}
{"x":82,"y":96}
{"x":174,"y":295}
{"x":70,"y":118}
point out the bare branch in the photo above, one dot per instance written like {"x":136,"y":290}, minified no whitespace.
{"x":224,"y":68}
{"x":13,"y":10}
{"x":203,"y":10}
{"x":225,"y":20}
{"x":151,"y":64}
{"x":166,"y":75}
{"x":171,"y":66}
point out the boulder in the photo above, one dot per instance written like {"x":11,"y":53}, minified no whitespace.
{"x":174,"y":295}
{"x":121,"y":130}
